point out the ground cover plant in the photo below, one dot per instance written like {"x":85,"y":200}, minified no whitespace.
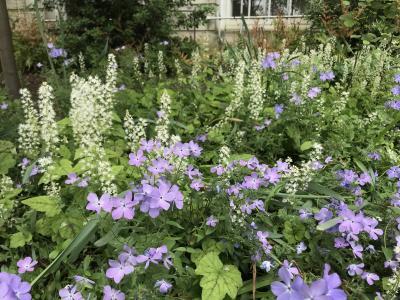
{"x":238,"y":175}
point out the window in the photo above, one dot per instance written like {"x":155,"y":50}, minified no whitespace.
{"x":268,"y":7}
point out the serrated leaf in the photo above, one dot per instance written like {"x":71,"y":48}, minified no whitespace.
{"x":46,"y":204}
{"x":218,"y":280}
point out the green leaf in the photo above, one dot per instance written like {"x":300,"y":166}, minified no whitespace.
{"x":72,"y":250}
{"x":218,"y":279}
{"x":260,"y":282}
{"x":175,"y":224}
{"x":315,"y":187}
{"x":306,"y":145}
{"x":329,"y":224}
{"x":46,"y":204}
{"x":20,"y":239}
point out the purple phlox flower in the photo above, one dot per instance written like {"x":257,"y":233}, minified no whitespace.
{"x":3,"y":106}
{"x":152,"y":255}
{"x":269,"y":62}
{"x":327,"y":76}
{"x":137,"y":159}
{"x":147,"y":146}
{"x":26,"y":264}
{"x":354,"y":269}
{"x":57,"y":52}
{"x":393,"y":172}
{"x":234,"y":189}
{"x":370,"y":277}
{"x":323,"y":215}
{"x":285,"y":76}
{"x":287,"y":290}
{"x":398,"y":223}
{"x":72,"y":178}
{"x":317,"y":165}
{"x":181,"y":149}
{"x":253,"y":163}
{"x":246,"y":207}
{"x":278,"y":108}
{"x":292,"y":271}
{"x":304,"y":214}
{"x":282,"y":166}
{"x":197,"y":184}
{"x":128,"y":255}
{"x":83,"y":280}
{"x":211,"y":221}
{"x":35,"y":170}
{"x":266,"y":265}
{"x":25,"y":162}
{"x":374,"y":156}
{"x":13,"y":288}
{"x":333,"y":282}
{"x":124,"y":207}
{"x":112,"y":294}
{"x":252,"y":182}
{"x":396,"y":78}
{"x":195,"y":149}
{"x":301,"y":247}
{"x":258,"y":204}
{"x":370,"y":228}
{"x":84,"y":182}
{"x":392,"y":264}
{"x":396,"y":90}
{"x":167,"y":261}
{"x":272,"y":175}
{"x":118,"y":269}
{"x":357,"y":249}
{"x":50,"y":45}
{"x":314,"y":92}
{"x":218,"y":169}
{"x":295,"y":62}
{"x":341,"y":243}
{"x":350,"y":223}
{"x":259,"y":127}
{"x":163,"y":286}
{"x":192,"y":172}
{"x":253,"y":225}
{"x":395,"y":200}
{"x":296,"y":99}
{"x":95,"y":204}
{"x":328,"y":159}
{"x":159,"y":166}
{"x":70,"y":292}
{"x":364,"y":178}
{"x":348,"y":177}
{"x":394,"y":104}
{"x":359,"y":201}
{"x":201,"y":138}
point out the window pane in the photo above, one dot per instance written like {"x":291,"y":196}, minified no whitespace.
{"x":236,"y":8}
{"x":279,"y":7}
{"x":259,"y":7}
{"x":298,"y":7}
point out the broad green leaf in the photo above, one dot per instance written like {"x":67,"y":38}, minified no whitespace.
{"x":260,"y":282}
{"x":315,"y":187}
{"x":46,"y":204}
{"x":218,"y":280}
{"x":306,"y":145}
{"x":329,"y":224}
{"x":19,"y":239}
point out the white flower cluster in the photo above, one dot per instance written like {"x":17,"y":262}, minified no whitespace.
{"x":196,"y":68}
{"x":134,"y":131}
{"x":137,"y":75}
{"x":6,"y":185}
{"x":300,"y":177}
{"x":162,"y":69}
{"x":256,"y":97}
{"x":48,"y":124}
{"x":162,"y":124}
{"x":146,"y":59}
{"x":81,"y":60}
{"x":224,"y":155}
{"x":53,"y":189}
{"x":179,"y":72}
{"x":29,"y":130}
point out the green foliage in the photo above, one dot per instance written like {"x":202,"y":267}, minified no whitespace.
{"x":218,"y":279}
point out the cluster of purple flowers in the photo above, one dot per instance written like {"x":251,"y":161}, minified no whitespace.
{"x":394,"y":104}
{"x":296,"y":99}
{"x":327,"y":76}
{"x":262,"y":238}
{"x":270,"y":61}
{"x":278,"y":108}
{"x":353,"y":181}
{"x":394,"y":173}
{"x":264,"y":125}
{"x":73,"y":179}
{"x":13,"y":288}
{"x":129,"y":259}
{"x":293,"y":287}
{"x":56,"y":52}
{"x":314,"y":92}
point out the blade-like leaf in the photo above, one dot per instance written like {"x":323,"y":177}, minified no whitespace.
{"x":329,"y":224}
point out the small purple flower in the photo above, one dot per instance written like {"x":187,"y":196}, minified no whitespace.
{"x":301,"y":247}
{"x":286,"y":289}
{"x":370,"y":277}
{"x":327,"y":76}
{"x":314,"y":92}
{"x":3,"y":106}
{"x":278,"y":108}
{"x":195,"y":149}
{"x":396,"y":90}
{"x":163,"y":286}
{"x":118,"y":269}
{"x":124,"y":207}
{"x":218,"y":169}
{"x":393,"y":172}
{"x":26,"y":265}
{"x":394,"y":104}
{"x":83,"y":183}
{"x":181,"y":149}
{"x":304,"y":214}
{"x":72,"y":178}
{"x":201,"y":138}
{"x":137,"y":159}
{"x":296,"y":99}
{"x":83,"y":280}
{"x":197,"y":184}
{"x":95,"y":204}
{"x":112,"y":294}
{"x":354,"y":269}
{"x":374,"y":156}
{"x":35,"y":170}
{"x":152,"y":255}
{"x":323,"y":215}
{"x":57,"y":52}
{"x":396,"y":78}
{"x":70,"y":292}
{"x":269,"y":62}
{"x":285,"y":76}
{"x":212,"y":221}
{"x":266,"y":265}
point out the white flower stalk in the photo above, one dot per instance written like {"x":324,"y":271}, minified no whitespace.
{"x":105,"y":174}
{"x":53,"y":189}
{"x":107,"y":105}
{"x":146,"y":58}
{"x":29,"y":130}
{"x":81,"y":60}
{"x":48,"y":124}
{"x":162,"y":124}
{"x":179,"y":72}
{"x":224,"y":155}
{"x":196,"y":68}
{"x":162,"y":69}
{"x":137,"y":75}
{"x":256,"y":97}
{"x":134,"y":131}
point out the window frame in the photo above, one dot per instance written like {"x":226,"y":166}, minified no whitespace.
{"x":267,"y":5}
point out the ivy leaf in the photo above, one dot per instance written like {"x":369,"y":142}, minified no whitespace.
{"x":46,"y":204}
{"x":218,"y":279}
{"x":19,"y":239}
